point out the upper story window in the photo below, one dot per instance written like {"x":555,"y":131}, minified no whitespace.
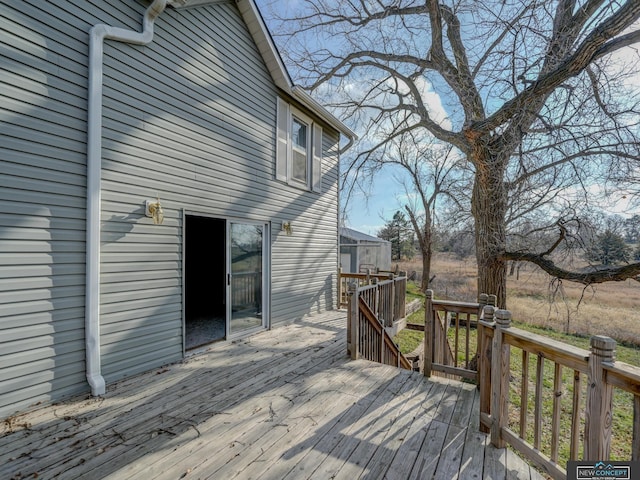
{"x":299,"y":149}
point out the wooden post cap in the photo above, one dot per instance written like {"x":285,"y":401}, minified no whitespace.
{"x":603,"y":347}
{"x":429,"y":294}
{"x":487,"y":313}
{"x":493,"y":300}
{"x":483,"y":299}
{"x":503,"y":318}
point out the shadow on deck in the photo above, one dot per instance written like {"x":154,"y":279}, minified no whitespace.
{"x":286,"y":403}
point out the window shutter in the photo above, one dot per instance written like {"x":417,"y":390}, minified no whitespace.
{"x":282,"y":146}
{"x":316,"y":168}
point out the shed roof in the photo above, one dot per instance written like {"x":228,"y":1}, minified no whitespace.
{"x":359,"y":236}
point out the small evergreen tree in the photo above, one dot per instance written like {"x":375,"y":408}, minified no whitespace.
{"x":399,"y":232}
{"x":608,"y":248}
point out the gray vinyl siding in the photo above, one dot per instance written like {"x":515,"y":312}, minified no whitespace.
{"x":190,"y":118}
{"x":42,"y":204}
{"x":186,"y":120}
{"x":305,"y":264}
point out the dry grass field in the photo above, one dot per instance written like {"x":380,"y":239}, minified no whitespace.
{"x":533,"y":297}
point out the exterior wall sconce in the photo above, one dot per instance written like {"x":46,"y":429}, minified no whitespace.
{"x":154,"y":210}
{"x":287,"y":228}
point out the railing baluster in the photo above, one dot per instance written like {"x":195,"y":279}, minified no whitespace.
{"x":575,"y":416}
{"x":456,"y":348}
{"x":382,"y":345}
{"x":444,"y":345}
{"x":555,"y":419}
{"x":537,"y":412}
{"x":635,"y":445}
{"x":467,"y":353}
{"x":524,"y":394}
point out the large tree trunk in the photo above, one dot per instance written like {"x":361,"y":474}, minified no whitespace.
{"x":488,"y":206}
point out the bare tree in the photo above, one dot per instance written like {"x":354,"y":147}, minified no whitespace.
{"x":435,"y":174}
{"x":535,"y":95}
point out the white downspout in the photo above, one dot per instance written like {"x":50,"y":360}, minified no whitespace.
{"x":97,"y":35}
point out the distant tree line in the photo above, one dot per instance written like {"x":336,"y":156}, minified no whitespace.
{"x":599,"y":239}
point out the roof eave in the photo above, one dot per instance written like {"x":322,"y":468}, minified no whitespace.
{"x":264,"y":41}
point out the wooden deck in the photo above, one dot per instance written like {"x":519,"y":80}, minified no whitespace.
{"x":283,"y":404}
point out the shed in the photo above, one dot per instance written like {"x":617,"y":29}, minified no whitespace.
{"x":359,"y":252}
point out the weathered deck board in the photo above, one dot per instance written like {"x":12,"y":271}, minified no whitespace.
{"x":286,"y":403}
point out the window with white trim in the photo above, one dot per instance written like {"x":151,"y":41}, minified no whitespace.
{"x":299,"y":148}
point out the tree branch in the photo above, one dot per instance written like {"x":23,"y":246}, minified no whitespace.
{"x":594,"y":46}
{"x":609,"y":274}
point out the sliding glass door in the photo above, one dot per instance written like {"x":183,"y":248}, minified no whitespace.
{"x":246,"y":267}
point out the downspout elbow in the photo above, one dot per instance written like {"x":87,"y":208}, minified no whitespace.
{"x":150,"y":15}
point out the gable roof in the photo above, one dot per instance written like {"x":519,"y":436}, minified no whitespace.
{"x":261,"y":36}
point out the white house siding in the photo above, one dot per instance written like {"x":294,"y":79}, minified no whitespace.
{"x":189,"y":118}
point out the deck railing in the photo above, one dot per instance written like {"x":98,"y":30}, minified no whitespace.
{"x":246,"y":289}
{"x":348,"y":280}
{"x":550,"y":401}
{"x":450,"y":345}
{"x":369,"y":309}
{"x":387,"y":299}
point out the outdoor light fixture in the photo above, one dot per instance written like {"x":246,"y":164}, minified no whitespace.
{"x":154,"y":210}
{"x":287,"y":228}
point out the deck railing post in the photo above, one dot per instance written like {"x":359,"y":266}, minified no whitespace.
{"x":500,"y":372}
{"x":353,"y":322}
{"x":492,"y":300}
{"x":483,"y":301}
{"x":485,"y":333}
{"x":598,"y":414}
{"x":428,"y":332}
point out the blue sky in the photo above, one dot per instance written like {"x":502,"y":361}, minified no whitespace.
{"x":368,"y":213}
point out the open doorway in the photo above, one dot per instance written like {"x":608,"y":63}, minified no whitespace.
{"x":205,"y":280}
